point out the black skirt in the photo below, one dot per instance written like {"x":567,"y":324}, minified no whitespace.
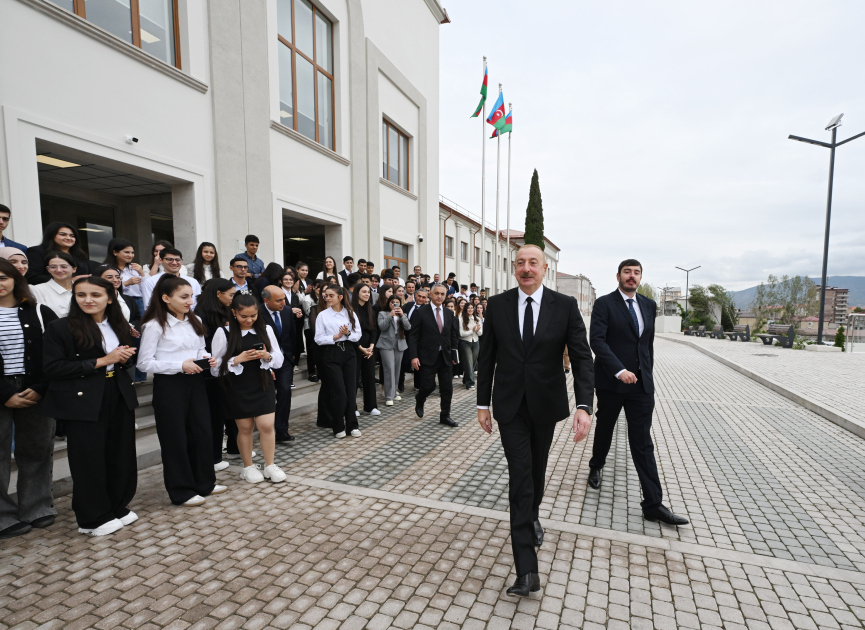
{"x":245,"y":395}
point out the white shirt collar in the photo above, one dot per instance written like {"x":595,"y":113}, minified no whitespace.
{"x":536,"y":296}
{"x":625,"y":296}
{"x":173,"y":321}
{"x":57,"y":288}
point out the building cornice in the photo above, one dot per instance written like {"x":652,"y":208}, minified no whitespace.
{"x":312,"y":144}
{"x":399,"y":189}
{"x":437,"y":11}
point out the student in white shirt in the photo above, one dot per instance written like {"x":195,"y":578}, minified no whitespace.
{"x":206,"y":264}
{"x":172,"y":262}
{"x":470,"y":331}
{"x":330,"y":270}
{"x":172,"y":340}
{"x":120,"y":256}
{"x":337,"y":330}
{"x":156,"y":266}
{"x":56,"y":294}
{"x":246,"y":351}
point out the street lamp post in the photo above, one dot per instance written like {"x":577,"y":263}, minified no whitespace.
{"x":687,"y":277}
{"x":824,"y":280}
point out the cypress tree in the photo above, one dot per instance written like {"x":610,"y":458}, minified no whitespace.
{"x":535,"y":215}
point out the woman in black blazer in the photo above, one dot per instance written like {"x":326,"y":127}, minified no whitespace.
{"x":58,"y":236}
{"x":88,"y":359}
{"x":365,"y":349}
{"x":129,"y":305}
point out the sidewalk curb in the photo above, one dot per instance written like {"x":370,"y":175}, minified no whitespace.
{"x":840,"y":419}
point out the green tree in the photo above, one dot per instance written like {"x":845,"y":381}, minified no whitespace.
{"x":648,"y":290}
{"x":839,"y":338}
{"x":859,"y":309}
{"x":535,"y":215}
{"x":699,"y":307}
{"x":785,"y":300}
{"x":724,"y":299}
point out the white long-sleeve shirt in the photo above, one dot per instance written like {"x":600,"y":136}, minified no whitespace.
{"x":149,"y":283}
{"x":163,"y":352}
{"x":470,"y":334}
{"x":220,"y":345}
{"x":328,"y":323}
{"x":132,"y":290}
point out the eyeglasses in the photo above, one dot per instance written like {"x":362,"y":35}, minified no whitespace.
{"x":59,"y":267}
{"x":172,"y":260}
{"x":241,"y":267}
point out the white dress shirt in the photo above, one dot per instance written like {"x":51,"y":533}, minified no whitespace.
{"x":109,"y":339}
{"x":639,"y":317}
{"x":339,"y":281}
{"x":206,"y":270}
{"x":163,"y":352}
{"x":149,"y":284}
{"x":53,"y":296}
{"x":328,"y":323}
{"x":220,"y":344}
{"x":132,"y":290}
{"x":146,"y":269}
{"x":536,"y":307}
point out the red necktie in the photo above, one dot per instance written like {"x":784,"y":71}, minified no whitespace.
{"x":439,"y":318}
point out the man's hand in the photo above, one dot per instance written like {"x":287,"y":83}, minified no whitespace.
{"x":485,"y":420}
{"x":415,"y":364}
{"x":628,"y":377}
{"x":582,"y":424}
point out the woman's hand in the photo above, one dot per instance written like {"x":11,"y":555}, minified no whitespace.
{"x":297,"y":312}
{"x":120,"y":354}
{"x":136,"y":267}
{"x":246,"y":355}
{"x":132,"y":280}
{"x":134,"y":332}
{"x":189,"y":367}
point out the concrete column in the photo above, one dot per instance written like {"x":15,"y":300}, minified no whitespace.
{"x":183,"y":211}
{"x":333,"y":243}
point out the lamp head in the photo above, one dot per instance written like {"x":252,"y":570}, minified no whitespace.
{"x":835,"y":122}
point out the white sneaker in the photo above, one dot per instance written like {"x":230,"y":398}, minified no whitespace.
{"x":106,"y":528}
{"x":374,"y":412}
{"x":217,"y":489}
{"x":129,"y":518}
{"x":251,"y":474}
{"x":355,"y":433}
{"x":196,"y":500}
{"x":340,"y":435}
{"x":356,"y":413}
{"x":398,"y":397}
{"x":220,"y":466}
{"x":388,"y":403}
{"x":274,"y":473}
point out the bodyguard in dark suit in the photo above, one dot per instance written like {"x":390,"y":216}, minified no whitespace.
{"x":526,"y":331}
{"x":622,"y":338}
{"x":282,"y":320}
{"x":433,"y":335}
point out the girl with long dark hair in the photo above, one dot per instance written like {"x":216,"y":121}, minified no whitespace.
{"x":88,"y":359}
{"x":470,"y":332}
{"x":329,"y":270}
{"x":392,"y":342}
{"x":127,"y":304}
{"x":310,"y":313}
{"x":172,"y":349}
{"x":272,"y":275}
{"x":22,"y":384}
{"x":337,"y":329}
{"x":246,"y":351}
{"x":57,"y":237}
{"x":205,"y":267}
{"x":120,"y":256}
{"x":361,"y":305}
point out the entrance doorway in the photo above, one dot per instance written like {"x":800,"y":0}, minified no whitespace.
{"x":303,"y":241}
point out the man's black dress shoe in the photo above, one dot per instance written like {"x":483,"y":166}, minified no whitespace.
{"x":525,"y":584}
{"x":448,"y":422}
{"x":539,"y":534}
{"x":313,"y":379}
{"x":595,"y":477}
{"x":284,"y":437}
{"x":418,"y":409}
{"x":16,"y":529}
{"x":43,"y":521}
{"x":663,"y":514}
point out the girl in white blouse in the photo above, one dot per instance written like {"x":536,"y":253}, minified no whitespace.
{"x":337,"y":331}
{"x":172,"y":347}
{"x":206,"y":264}
{"x":246,"y":351}
{"x":329,"y":270}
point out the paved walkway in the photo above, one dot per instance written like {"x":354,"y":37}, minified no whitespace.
{"x":407,"y":527}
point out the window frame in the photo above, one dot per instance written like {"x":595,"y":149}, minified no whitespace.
{"x":449,"y":246}
{"x":488,"y":258}
{"x":477,"y":260}
{"x":315,"y":70}
{"x":400,"y":135}
{"x":391,"y":260}
{"x":464,"y":251}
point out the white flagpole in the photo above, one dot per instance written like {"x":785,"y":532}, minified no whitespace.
{"x":508,"y":248}
{"x":496,"y":252}
{"x":483,"y":180}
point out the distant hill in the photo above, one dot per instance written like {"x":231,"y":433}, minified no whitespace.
{"x":856,"y":284}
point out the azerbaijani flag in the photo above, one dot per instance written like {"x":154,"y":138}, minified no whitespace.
{"x":497,"y":115}
{"x":483,"y":96}
{"x":507,"y":127}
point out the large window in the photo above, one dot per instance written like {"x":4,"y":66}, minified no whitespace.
{"x":489,"y":257}
{"x":396,"y":254}
{"x":464,"y":251}
{"x":306,"y":70}
{"x":151,"y":25}
{"x":394,"y":155}
{"x":449,"y":246}
{"x":477,"y":255}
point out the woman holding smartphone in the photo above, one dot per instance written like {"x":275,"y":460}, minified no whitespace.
{"x":360,"y":304}
{"x":470,"y":332}
{"x":87,"y":360}
{"x":393,"y":324}
{"x":246,"y":351}
{"x":173,"y":350}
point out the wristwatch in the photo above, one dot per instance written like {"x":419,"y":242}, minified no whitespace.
{"x":588,"y":410}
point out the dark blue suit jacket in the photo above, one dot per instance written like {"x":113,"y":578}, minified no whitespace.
{"x":10,"y":243}
{"x":286,"y":339}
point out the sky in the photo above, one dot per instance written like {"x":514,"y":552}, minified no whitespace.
{"x":659,"y":131}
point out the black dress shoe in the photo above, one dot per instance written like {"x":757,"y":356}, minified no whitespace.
{"x":662,"y":513}
{"x":16,"y":529}
{"x":43,"y":521}
{"x":313,"y":379}
{"x":539,"y":534}
{"x":525,"y":584}
{"x":595,"y":477}
{"x":447,"y":421}
{"x":418,"y":409}
{"x":284,"y":437}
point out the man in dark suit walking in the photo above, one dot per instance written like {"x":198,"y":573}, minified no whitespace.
{"x":526,"y":331}
{"x":622,"y":338}
{"x":275,"y":314}
{"x":433,"y":335}
{"x":410,"y":308}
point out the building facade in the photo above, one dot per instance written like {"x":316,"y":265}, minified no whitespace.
{"x":835,"y":310}
{"x":579,"y":287}
{"x":310,"y":123}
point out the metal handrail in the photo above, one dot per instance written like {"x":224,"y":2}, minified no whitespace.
{"x":855,"y":321}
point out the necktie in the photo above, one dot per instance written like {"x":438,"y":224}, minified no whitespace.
{"x":528,"y":326}
{"x":439,"y":318}
{"x":634,"y":316}
{"x":277,"y":319}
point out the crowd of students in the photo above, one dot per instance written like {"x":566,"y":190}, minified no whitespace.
{"x":222,"y":347}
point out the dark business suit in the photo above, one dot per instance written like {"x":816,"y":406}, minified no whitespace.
{"x":617,"y":346}
{"x":283,"y":375}
{"x":433,"y":348}
{"x":406,"y":361}
{"x":530,"y":397}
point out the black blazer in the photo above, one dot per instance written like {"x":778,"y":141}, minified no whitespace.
{"x":134,"y":313}
{"x":539,"y":376}
{"x":37,"y":272}
{"x":76,"y":385}
{"x":369,"y":328}
{"x":616,"y":344}
{"x":286,"y":339}
{"x":426,"y":338}
{"x":34,"y":377}
{"x":344,"y":275}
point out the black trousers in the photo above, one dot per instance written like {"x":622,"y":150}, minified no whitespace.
{"x":283,"y":396}
{"x":182,"y":417}
{"x":526,"y":442}
{"x":366,"y":377}
{"x":218,"y":419}
{"x":311,"y":352}
{"x":444,"y":370}
{"x":339,"y":375}
{"x":638,"y":407}
{"x":103,"y":461}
